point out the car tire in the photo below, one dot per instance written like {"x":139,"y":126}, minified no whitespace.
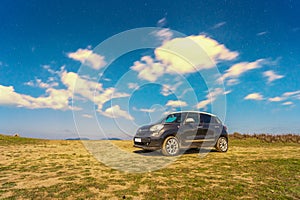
{"x":171,"y":146}
{"x":222,"y":144}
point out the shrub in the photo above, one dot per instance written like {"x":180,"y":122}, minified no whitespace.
{"x":283,"y":138}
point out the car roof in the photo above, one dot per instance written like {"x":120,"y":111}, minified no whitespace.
{"x":200,"y":112}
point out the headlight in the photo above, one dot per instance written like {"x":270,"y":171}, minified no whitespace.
{"x":155,"y":134}
{"x":156,"y":128}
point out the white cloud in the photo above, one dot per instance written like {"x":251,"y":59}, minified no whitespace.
{"x":150,"y":110}
{"x":116,"y":112}
{"x":176,"y":103}
{"x":90,"y":90}
{"x":272,"y":76}
{"x":57,"y":99}
{"x":210,"y":98}
{"x":54,"y":99}
{"x":238,"y":69}
{"x":107,"y":79}
{"x":8,"y":96}
{"x":162,"y":22}
{"x":184,"y":55}
{"x":148,"y":69}
{"x":276,"y":99}
{"x":60,"y":99}
{"x":47,"y":85}
{"x":133,"y":86}
{"x":187,"y":90}
{"x":218,"y":25}
{"x":154,"y":108}
{"x":89,"y":58}
{"x":287,"y":103}
{"x":39,"y":83}
{"x":227,"y":92}
{"x":262,"y":33}
{"x":164,"y":34}
{"x":288,"y":94}
{"x":48,"y":68}
{"x":203,"y":103}
{"x":107,"y":95}
{"x":254,"y":96}
{"x":169,"y":89}
{"x":79,"y":85}
{"x":87,"y":116}
{"x":233,"y":81}
{"x":30,"y":83}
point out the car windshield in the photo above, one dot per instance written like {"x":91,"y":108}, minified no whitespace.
{"x":173,"y":118}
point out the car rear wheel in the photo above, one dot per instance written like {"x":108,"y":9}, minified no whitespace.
{"x":170,"y":146}
{"x":222,"y":144}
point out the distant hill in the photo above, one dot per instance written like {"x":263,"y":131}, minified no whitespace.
{"x":111,"y":139}
{"x":77,"y":139}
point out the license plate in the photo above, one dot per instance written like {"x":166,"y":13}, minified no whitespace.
{"x":138,"y":139}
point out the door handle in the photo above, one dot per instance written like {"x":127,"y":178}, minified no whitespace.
{"x":217,"y":126}
{"x":199,"y":126}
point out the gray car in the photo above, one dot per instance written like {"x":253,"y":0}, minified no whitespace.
{"x":182,"y":130}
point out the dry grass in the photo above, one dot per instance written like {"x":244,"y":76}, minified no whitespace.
{"x":41,"y":169}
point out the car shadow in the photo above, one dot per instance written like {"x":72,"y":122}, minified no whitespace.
{"x":182,"y":152}
{"x":202,"y":150}
{"x":148,"y":152}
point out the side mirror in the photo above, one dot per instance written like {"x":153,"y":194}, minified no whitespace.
{"x":189,"y":121}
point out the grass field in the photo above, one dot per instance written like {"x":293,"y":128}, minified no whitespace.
{"x":251,"y":169}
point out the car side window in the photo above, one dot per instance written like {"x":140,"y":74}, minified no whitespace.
{"x":205,"y":119}
{"x":195,"y":116}
{"x":173,"y":118}
{"x":218,"y":121}
{"x":213,"y":120}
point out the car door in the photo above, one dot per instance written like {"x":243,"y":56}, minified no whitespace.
{"x":189,"y":131}
{"x":206,"y":127}
{"x":217,"y":126}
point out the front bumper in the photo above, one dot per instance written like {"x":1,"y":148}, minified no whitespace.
{"x":147,"y":143}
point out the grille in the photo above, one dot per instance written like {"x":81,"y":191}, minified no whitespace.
{"x":142,"y":132}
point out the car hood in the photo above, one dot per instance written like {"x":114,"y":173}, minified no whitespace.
{"x":147,"y":127}
{"x":145,"y":130}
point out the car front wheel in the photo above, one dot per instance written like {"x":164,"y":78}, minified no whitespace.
{"x":170,"y":146}
{"x":222,"y":144}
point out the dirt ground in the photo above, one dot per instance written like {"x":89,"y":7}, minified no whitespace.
{"x":67,"y":170}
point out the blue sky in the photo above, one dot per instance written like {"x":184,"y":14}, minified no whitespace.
{"x":254,"y":45}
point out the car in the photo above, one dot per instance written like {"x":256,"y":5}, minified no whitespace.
{"x":183,"y":130}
